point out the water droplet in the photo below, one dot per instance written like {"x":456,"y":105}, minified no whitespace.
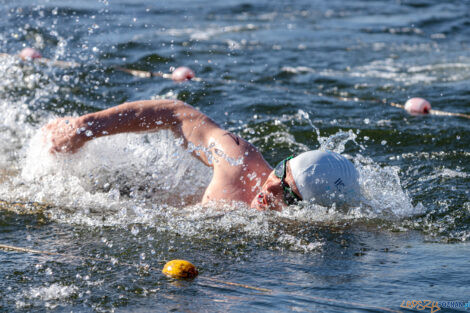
{"x":134,"y":230}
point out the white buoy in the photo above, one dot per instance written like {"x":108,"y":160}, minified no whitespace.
{"x":182,"y":73}
{"x":418,"y":106}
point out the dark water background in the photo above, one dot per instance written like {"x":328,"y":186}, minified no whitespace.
{"x":273,"y":72}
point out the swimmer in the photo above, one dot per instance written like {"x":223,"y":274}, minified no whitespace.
{"x":324,"y":177}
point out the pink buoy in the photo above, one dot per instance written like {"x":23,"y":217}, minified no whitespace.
{"x":29,"y":54}
{"x":182,"y":73}
{"x":418,"y":106}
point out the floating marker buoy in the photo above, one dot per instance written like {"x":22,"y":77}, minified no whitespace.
{"x":29,"y":54}
{"x":182,"y":73}
{"x":180,"y":269}
{"x":418,"y":106}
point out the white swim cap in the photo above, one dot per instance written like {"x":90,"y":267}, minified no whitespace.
{"x":325,"y":176}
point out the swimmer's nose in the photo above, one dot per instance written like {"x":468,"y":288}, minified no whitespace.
{"x":259,"y":202}
{"x":262,"y":199}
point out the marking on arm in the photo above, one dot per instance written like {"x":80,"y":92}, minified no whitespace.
{"x":234,"y":137}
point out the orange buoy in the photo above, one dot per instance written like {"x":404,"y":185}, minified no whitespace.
{"x":180,"y":269}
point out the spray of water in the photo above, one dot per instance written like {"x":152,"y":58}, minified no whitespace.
{"x":381,"y":190}
{"x":151,"y":180}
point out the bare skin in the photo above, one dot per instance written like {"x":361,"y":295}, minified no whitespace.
{"x":240,"y":171}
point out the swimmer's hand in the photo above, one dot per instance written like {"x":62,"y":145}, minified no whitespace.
{"x":66,"y":135}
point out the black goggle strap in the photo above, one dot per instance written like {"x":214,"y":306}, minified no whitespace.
{"x":289,"y":195}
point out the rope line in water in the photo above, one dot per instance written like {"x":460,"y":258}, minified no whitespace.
{"x":151,"y":268}
{"x":147,"y":74}
{"x":435,"y":112}
{"x":24,"y":209}
{"x":186,"y":73}
{"x":215,"y":280}
{"x":40,"y":252}
{"x":58,"y":63}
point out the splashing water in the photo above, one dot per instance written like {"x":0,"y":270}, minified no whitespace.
{"x":152,"y":168}
{"x":143,"y":175}
{"x":49,"y":296}
{"x":130,"y":179}
{"x":151,"y":180}
{"x":382,"y":193}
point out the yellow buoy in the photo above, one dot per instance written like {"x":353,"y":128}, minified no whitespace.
{"x":180,"y":269}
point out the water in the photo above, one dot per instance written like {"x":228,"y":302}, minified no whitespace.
{"x":288,"y":77}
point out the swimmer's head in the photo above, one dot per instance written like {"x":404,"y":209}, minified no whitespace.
{"x":325,"y":177}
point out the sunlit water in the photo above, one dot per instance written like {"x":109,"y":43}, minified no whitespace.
{"x":289,"y":77}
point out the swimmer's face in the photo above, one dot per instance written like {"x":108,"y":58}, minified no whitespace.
{"x":271,"y":195}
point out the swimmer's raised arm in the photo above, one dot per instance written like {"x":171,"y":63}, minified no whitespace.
{"x":68,"y":134}
{"x":240,"y":171}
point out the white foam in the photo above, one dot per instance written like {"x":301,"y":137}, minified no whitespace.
{"x":444,"y":173}
{"x":49,"y":295}
{"x":297,"y":69}
{"x":207,"y":33}
{"x":144,"y":167}
{"x":383,"y":193}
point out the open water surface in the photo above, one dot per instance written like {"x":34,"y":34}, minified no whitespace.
{"x":289,"y":76}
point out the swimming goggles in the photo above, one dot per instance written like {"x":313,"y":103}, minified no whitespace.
{"x":290,"y":197}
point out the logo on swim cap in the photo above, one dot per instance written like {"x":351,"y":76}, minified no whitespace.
{"x":325,"y":176}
